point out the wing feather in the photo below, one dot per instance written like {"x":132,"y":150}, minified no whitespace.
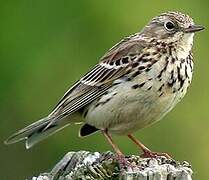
{"x":90,"y":87}
{"x":83,"y":100}
{"x":97,"y":81}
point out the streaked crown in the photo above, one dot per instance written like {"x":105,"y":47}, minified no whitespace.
{"x":182,"y":20}
{"x":171,"y":27}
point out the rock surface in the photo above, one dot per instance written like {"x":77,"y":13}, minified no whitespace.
{"x":83,"y":165}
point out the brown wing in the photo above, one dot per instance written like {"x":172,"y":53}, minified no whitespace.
{"x":114,"y":64}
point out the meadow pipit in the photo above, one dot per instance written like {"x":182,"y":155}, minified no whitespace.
{"x":136,"y":83}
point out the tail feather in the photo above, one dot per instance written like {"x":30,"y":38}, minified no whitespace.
{"x":35,"y":132}
{"x":38,"y":136}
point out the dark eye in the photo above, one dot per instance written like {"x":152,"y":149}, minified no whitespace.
{"x":169,"y":25}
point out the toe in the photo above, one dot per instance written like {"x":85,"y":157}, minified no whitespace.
{"x":150,"y":154}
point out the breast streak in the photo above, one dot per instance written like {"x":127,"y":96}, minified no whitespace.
{"x":127,"y":110}
{"x":141,"y":109}
{"x":124,"y":110}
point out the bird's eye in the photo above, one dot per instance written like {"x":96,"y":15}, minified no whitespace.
{"x":169,"y":25}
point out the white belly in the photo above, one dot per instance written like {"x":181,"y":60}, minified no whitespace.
{"x":130,"y":109}
{"x":125,"y":109}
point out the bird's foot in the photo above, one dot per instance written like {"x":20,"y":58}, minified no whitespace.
{"x":150,"y":154}
{"x":124,"y":163}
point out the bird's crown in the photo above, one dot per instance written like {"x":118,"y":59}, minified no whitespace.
{"x":171,"y":27}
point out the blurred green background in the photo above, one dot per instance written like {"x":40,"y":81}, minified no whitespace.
{"x":46,"y":45}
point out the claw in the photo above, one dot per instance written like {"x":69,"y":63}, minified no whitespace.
{"x":150,"y":154}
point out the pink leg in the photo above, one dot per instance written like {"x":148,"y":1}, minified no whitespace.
{"x":114,"y":146}
{"x":120,"y":156}
{"x":147,"y":152}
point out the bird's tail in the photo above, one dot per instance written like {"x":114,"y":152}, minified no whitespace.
{"x":36,"y":132}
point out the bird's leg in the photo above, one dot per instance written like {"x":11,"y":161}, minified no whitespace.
{"x":147,"y":152}
{"x":114,"y":146}
{"x":120,"y":156}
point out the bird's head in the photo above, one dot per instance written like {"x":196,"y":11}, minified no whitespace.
{"x":172,"y":27}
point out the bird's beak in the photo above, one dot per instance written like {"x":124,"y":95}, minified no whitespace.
{"x":194,"y":28}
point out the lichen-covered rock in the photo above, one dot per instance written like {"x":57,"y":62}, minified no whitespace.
{"x":85,"y":165}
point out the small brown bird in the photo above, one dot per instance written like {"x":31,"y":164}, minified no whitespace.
{"x":136,"y":83}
